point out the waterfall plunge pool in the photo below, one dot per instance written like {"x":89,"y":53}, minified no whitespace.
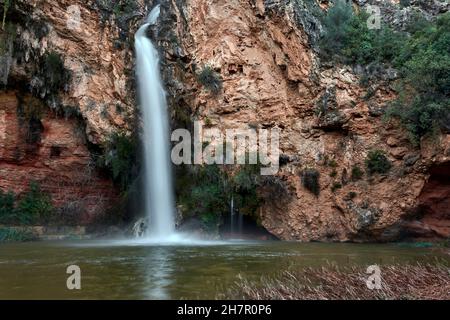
{"x":202,"y":270}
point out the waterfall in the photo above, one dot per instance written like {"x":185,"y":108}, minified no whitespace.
{"x":159,"y":203}
{"x":232,"y":215}
{"x":240,"y":224}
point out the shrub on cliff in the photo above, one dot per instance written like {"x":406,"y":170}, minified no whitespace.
{"x":377,"y":162}
{"x":336,"y":24}
{"x":310,"y":180}
{"x":206,"y":195}
{"x":206,"y":192}
{"x":357,"y":173}
{"x":423,"y":105}
{"x":277,"y":188}
{"x":120,"y":158}
{"x":348,"y":39}
{"x":35,"y":206}
{"x":7,"y":200}
{"x":421,"y":55}
{"x":210,"y":79}
{"x":124,"y":7}
{"x":54,"y":72}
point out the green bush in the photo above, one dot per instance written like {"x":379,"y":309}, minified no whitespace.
{"x":336,"y":186}
{"x":351,"y":195}
{"x":7,"y":36}
{"x":421,"y":55}
{"x":53,"y":73}
{"x":33,"y":207}
{"x":14,"y":235}
{"x":336,"y":24}
{"x":6,"y":206}
{"x":278,"y":189}
{"x":120,"y":158}
{"x":348,"y":39}
{"x":124,"y":7}
{"x":357,"y":173}
{"x":377,"y":162}
{"x":405,"y":3}
{"x":210,"y":79}
{"x":423,"y":105}
{"x":206,"y":192}
{"x":310,"y":180}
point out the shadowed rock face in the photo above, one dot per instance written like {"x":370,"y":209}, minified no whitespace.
{"x":435,"y":203}
{"x":51,"y":151}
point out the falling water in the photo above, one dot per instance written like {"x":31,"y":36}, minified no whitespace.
{"x":232,"y":215}
{"x":240,"y":223}
{"x":158,"y":180}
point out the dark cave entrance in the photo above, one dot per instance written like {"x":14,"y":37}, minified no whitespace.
{"x":243,"y":227}
{"x":431,"y":218}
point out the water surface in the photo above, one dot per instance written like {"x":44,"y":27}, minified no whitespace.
{"x":133,"y":270}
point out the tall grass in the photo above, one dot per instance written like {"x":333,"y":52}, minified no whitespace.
{"x":399,"y":282}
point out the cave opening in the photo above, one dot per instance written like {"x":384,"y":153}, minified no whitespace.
{"x":243,"y":227}
{"x":430,"y":220}
{"x":434,"y":203}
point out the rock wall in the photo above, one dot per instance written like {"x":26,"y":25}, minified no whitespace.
{"x":272,"y":77}
{"x":51,"y":151}
{"x":99,"y":61}
{"x":80,"y":103}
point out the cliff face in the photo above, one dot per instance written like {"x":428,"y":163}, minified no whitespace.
{"x":98,"y":61}
{"x":265,"y":53}
{"x":68,"y":77}
{"x":53,"y":152}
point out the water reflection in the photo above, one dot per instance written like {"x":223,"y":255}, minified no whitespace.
{"x":140,"y":271}
{"x":159,"y":273}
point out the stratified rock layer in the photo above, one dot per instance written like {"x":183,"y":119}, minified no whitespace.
{"x":52,"y":152}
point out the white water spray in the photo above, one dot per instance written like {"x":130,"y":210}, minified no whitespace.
{"x":158,"y":180}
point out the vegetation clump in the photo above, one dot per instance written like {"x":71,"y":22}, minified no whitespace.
{"x":7,"y":35}
{"x":420,"y":54}
{"x":310,"y":180}
{"x":119,"y":157}
{"x":210,"y":79}
{"x":336,"y":186}
{"x":15,"y":235}
{"x":212,"y":188}
{"x":124,"y":7}
{"x":357,"y":173}
{"x":54,"y":72}
{"x":33,"y":207}
{"x":348,"y":39}
{"x":377,"y":162}
{"x":423,"y":105}
{"x":206,"y":192}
